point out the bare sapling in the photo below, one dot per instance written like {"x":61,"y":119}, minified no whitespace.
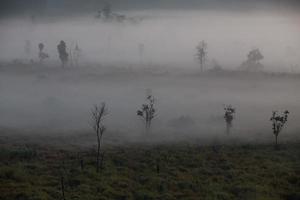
{"x":147,"y":112}
{"x":98,"y":114}
{"x":278,"y":122}
{"x":229,"y":116}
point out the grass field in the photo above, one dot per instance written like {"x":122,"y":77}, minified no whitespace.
{"x":137,"y":171}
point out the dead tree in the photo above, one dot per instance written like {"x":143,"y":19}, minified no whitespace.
{"x":278,"y":122}
{"x":202,"y":53}
{"x":147,"y":112}
{"x":98,"y":114}
{"x":228,"y":116}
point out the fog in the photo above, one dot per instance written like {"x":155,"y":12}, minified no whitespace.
{"x":46,"y":99}
{"x":169,"y":38}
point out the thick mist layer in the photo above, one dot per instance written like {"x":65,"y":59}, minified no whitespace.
{"x":51,"y":101}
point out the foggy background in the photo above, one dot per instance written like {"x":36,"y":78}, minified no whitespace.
{"x":48,"y":99}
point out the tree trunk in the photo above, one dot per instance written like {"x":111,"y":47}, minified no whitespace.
{"x":81,"y":164}
{"x":98,"y":152}
{"x":201,"y":66}
{"x":202,"y":60}
{"x":62,"y":187}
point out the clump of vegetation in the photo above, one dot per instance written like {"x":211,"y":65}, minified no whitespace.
{"x":42,"y":54}
{"x":228,"y":116}
{"x":202,"y":54}
{"x":62,"y":51}
{"x":98,"y":114}
{"x":278,"y":122}
{"x":147,"y":112}
{"x":253,"y":61}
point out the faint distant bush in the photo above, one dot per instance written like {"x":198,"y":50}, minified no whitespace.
{"x":253,"y":61}
{"x":42,"y":54}
{"x":278,"y":122}
{"x":184,"y":121}
{"x":201,"y":54}
{"x":76,"y":55}
{"x":62,"y":51}
{"x":216,"y":67}
{"x":147,"y":112}
{"x":229,"y":116}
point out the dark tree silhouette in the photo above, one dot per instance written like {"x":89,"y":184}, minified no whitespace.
{"x":98,"y":114}
{"x":253,"y":61}
{"x":147,"y":112}
{"x":62,"y":51}
{"x":202,"y":54}
{"x":228,"y":116}
{"x":278,"y":122}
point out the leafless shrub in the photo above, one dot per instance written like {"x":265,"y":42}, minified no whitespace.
{"x":147,"y":112}
{"x":98,"y":114}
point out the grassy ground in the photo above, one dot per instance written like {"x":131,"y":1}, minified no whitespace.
{"x":178,"y":171}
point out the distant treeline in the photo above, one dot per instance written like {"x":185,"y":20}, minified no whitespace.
{"x":36,"y":7}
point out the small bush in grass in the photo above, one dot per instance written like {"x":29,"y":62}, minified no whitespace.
{"x":278,"y":122}
{"x":147,"y":112}
{"x":228,"y":116}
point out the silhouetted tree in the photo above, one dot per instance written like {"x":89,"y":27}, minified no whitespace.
{"x":278,"y":122}
{"x":42,"y":54}
{"x":147,"y":112}
{"x":98,"y":114}
{"x":253,"y":61}
{"x":228,"y":116}
{"x":202,"y":53}
{"x":62,"y":51}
